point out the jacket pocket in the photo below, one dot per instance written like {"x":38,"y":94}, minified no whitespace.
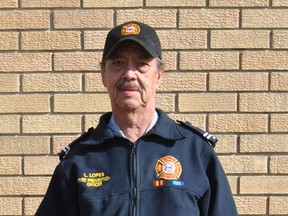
{"x":169,"y":201}
{"x":115,"y":205}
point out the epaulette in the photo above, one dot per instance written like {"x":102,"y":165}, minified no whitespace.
{"x":67,"y":148}
{"x":211,"y":139}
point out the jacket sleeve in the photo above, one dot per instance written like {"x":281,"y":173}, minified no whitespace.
{"x":60,"y":198}
{"x":218,"y":199}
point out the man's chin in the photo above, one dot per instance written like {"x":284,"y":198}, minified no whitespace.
{"x":129,"y":104}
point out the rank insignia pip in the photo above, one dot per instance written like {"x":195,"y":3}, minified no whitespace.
{"x":168,"y":168}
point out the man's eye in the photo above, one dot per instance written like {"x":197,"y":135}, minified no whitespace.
{"x":142,"y":66}
{"x":117,"y":64}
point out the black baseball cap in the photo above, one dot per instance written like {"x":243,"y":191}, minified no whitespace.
{"x":139,"y":32}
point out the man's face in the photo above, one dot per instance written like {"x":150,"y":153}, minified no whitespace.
{"x":131,"y":76}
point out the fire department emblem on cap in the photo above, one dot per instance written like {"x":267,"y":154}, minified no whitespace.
{"x":168,"y":168}
{"x":130,"y":29}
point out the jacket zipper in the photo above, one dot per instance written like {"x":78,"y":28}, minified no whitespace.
{"x":134,"y":178}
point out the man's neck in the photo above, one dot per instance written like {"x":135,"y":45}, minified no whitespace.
{"x":134,"y":124}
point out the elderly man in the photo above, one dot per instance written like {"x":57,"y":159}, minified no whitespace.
{"x":138,"y":161}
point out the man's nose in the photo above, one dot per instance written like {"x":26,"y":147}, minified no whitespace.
{"x":130,"y":71}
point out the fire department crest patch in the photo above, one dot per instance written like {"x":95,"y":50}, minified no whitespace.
{"x":168,"y":168}
{"x":130,"y":29}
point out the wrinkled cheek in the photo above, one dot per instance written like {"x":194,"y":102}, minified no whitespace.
{"x":112,"y":95}
{"x":144,"y":97}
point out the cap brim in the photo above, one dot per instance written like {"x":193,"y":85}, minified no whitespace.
{"x":139,"y":41}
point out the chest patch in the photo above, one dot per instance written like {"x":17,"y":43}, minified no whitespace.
{"x":168,"y":168}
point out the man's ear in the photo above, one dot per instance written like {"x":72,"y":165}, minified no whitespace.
{"x":103,"y":73}
{"x":160,"y":76}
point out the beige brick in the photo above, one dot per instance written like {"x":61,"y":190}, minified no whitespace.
{"x":263,"y":143}
{"x":157,"y":18}
{"x":238,"y":81}
{"x":268,"y":18}
{"x":91,"y":120}
{"x":93,"y":83}
{"x":279,"y":164}
{"x":40,"y":165}
{"x":25,"y":62}
{"x":79,"y":103}
{"x":280,"y":39}
{"x":183,"y":82}
{"x":52,"y":124}
{"x":10,"y":166}
{"x":278,"y":205}
{"x":23,"y":185}
{"x":65,"y":82}
{"x":10,"y":206}
{"x":204,"y":102}
{"x":265,"y":60}
{"x":197,"y":120}
{"x":172,"y":3}
{"x":208,"y":18}
{"x":24,"y":103}
{"x":279,"y":123}
{"x":9,"y":83}
{"x":9,"y":4}
{"x":238,"y":3}
{"x":20,"y":145}
{"x":49,"y":3}
{"x":77,"y":61}
{"x":180,"y":39}
{"x":238,"y":123}
{"x":59,"y":142}
{"x":209,"y":60}
{"x":279,"y":81}
{"x":233,"y":182}
{"x":58,"y":40}
{"x":9,"y":124}
{"x":277,"y":3}
{"x":31,"y":205}
{"x":114,"y":4}
{"x":8,"y":40}
{"x":83,"y":19}
{"x":239,"y":39}
{"x":94,"y":39}
{"x":226,"y":144}
{"x":21,"y":19}
{"x":166,"y":102}
{"x":244,"y":164}
{"x":263,"y":102}
{"x":263,"y":185}
{"x":248,"y":205}
{"x":170,"y":60}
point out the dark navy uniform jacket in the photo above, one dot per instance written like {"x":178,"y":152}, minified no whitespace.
{"x":169,"y":171}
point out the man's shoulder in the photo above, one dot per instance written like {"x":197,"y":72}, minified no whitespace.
{"x":62,"y":154}
{"x":209,"y":138}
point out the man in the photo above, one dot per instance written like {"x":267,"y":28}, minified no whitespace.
{"x":138,"y":161}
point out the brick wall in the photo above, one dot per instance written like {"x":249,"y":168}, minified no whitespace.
{"x":226,"y":71}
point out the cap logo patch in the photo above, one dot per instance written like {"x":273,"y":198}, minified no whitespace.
{"x":130,"y":29}
{"x":168,"y":168}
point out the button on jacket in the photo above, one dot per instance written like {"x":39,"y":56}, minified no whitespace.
{"x":169,"y":171}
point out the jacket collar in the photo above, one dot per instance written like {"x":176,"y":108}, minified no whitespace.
{"x":165,"y":128}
